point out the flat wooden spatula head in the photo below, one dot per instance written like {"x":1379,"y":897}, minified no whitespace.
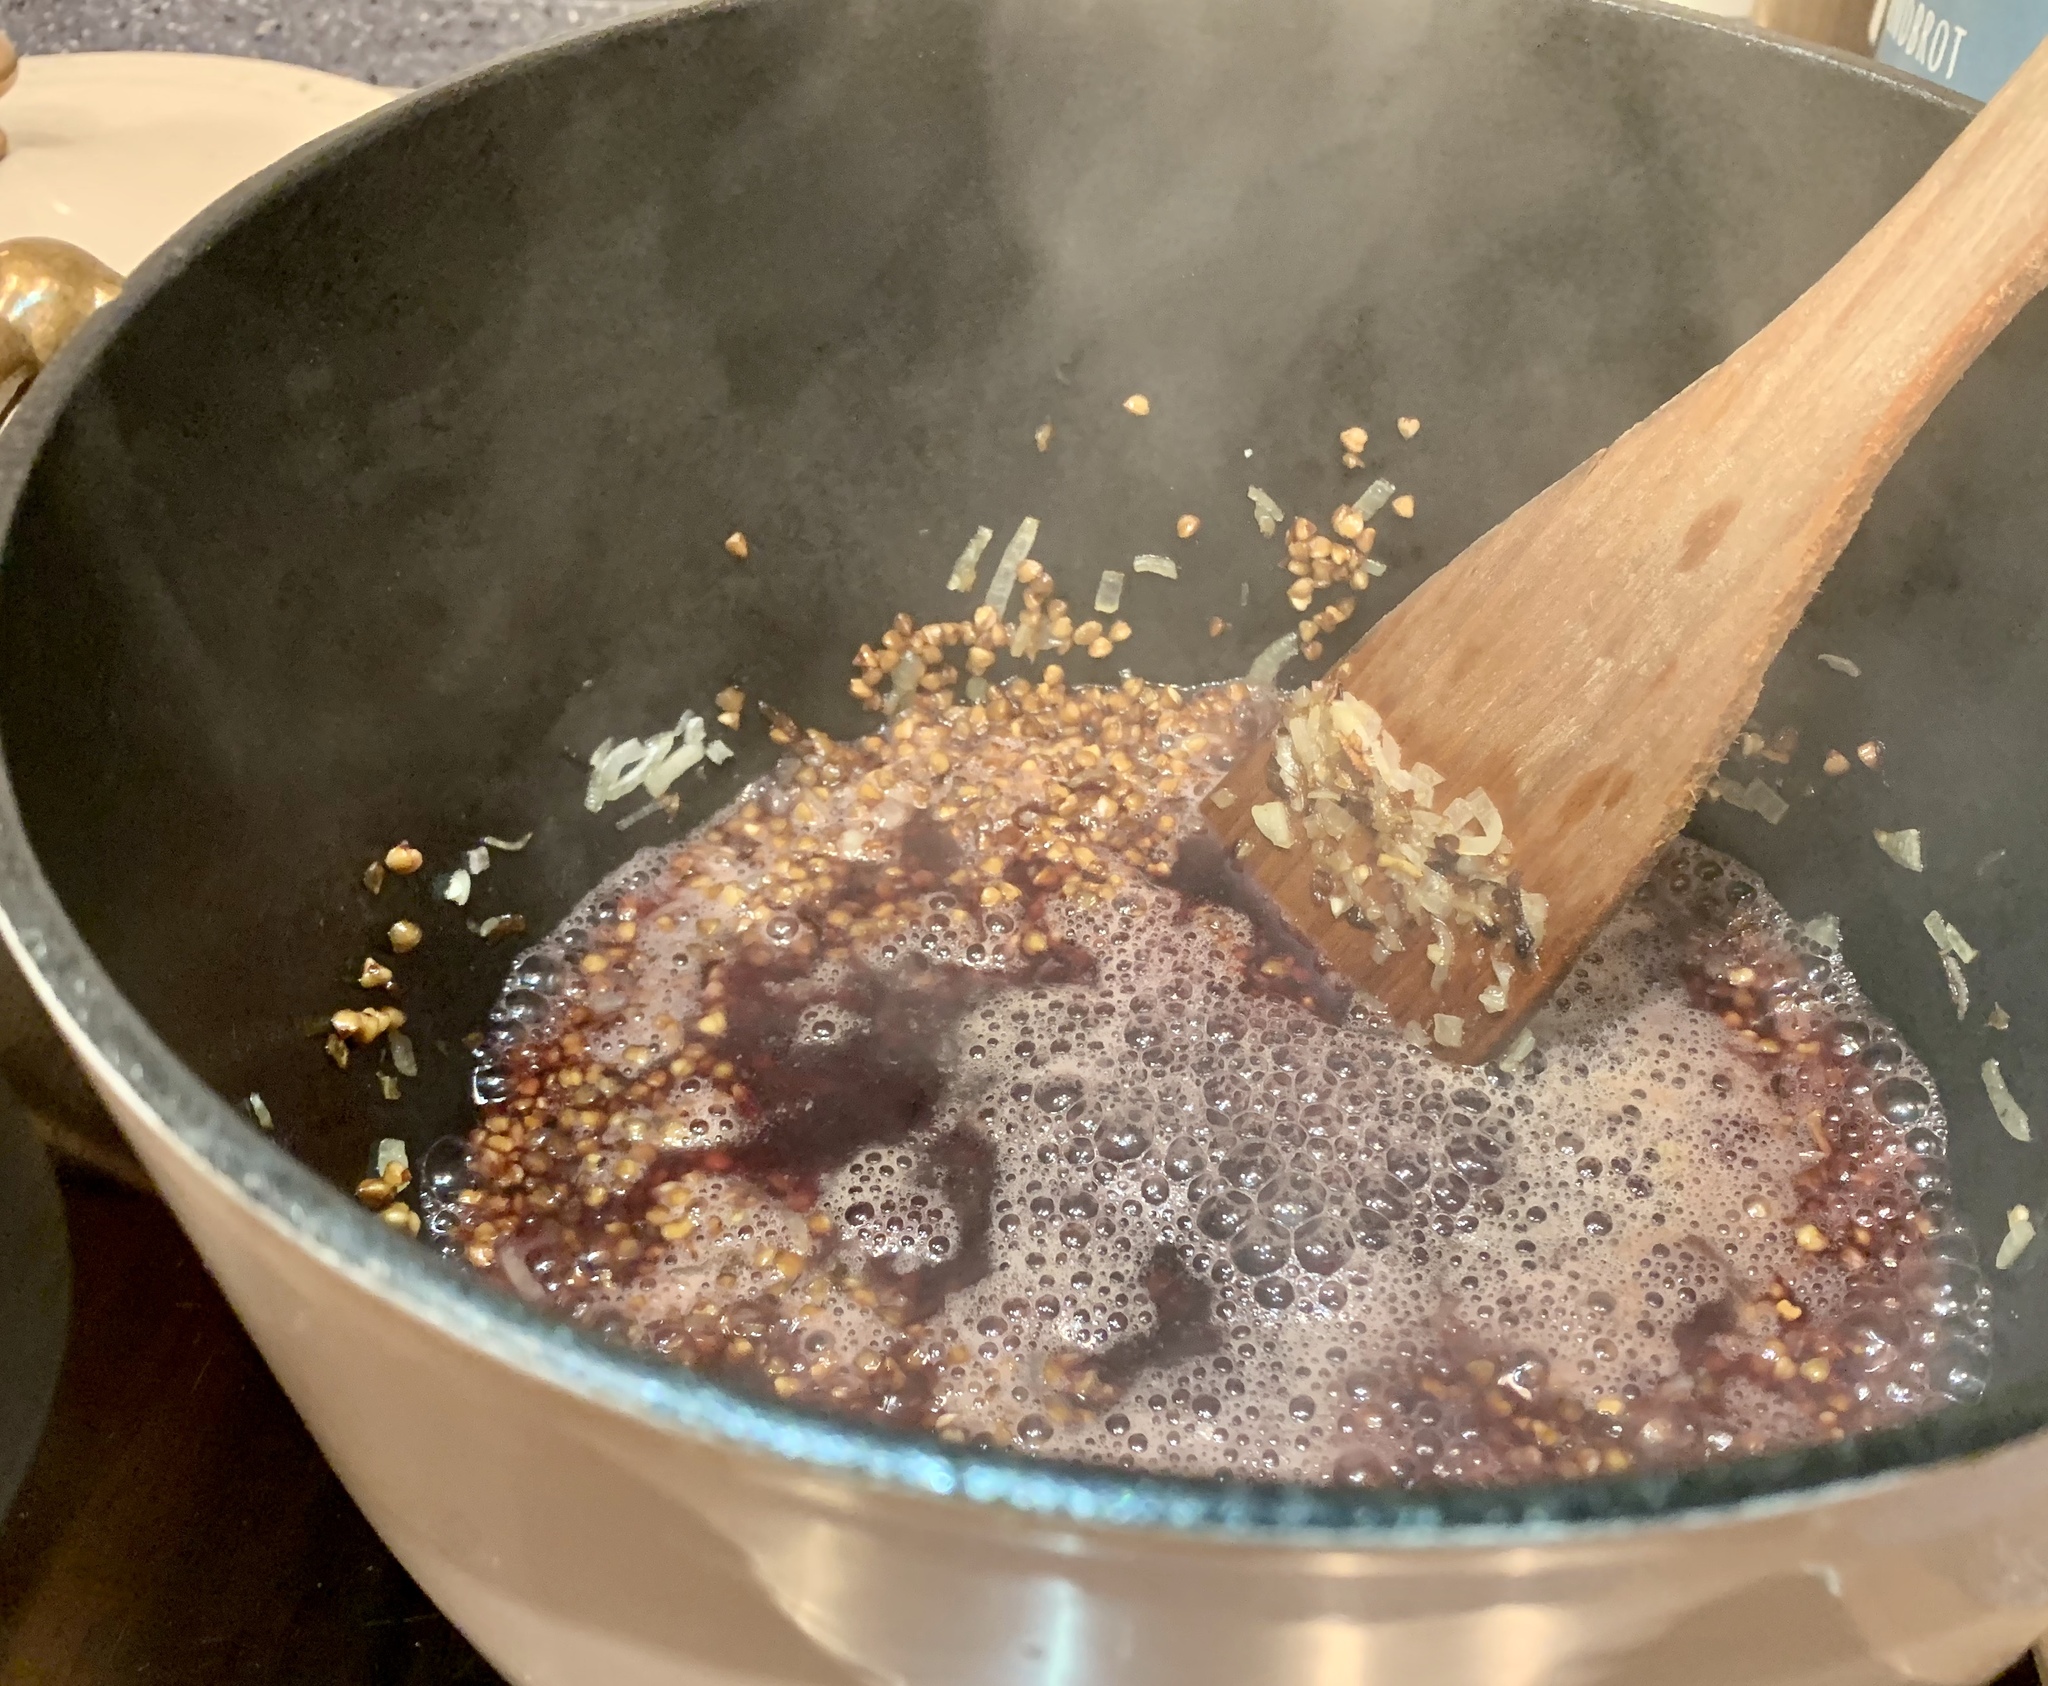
{"x":1452,"y":810}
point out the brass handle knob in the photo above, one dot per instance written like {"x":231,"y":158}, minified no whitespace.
{"x":47,"y":290}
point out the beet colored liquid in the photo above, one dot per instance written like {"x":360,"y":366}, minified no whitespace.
{"x":874,"y":1095}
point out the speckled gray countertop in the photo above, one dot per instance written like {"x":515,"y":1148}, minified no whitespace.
{"x":401,"y":43}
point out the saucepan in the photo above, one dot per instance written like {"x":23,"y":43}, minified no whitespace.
{"x":402,"y":479}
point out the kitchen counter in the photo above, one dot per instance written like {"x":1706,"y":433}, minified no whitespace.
{"x":394,"y":43}
{"x":404,"y":43}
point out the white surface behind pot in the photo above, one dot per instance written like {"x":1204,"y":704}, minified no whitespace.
{"x":116,"y":151}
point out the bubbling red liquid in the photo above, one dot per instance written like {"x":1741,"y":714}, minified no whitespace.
{"x":1104,"y":1168}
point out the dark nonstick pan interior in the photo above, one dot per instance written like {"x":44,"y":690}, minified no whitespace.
{"x":405,"y":484}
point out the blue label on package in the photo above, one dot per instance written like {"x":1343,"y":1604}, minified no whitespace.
{"x":1971,"y":46}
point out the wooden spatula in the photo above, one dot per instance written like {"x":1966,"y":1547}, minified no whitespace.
{"x":1588,"y":661}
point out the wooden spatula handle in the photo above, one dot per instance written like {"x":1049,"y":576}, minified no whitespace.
{"x":1892,"y":327}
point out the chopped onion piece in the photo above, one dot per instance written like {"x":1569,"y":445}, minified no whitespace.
{"x":1266,"y":665}
{"x":969,"y":562}
{"x":644,"y":763}
{"x":909,"y":669}
{"x":2009,"y":1111}
{"x":1150,"y":564}
{"x":1019,"y":547}
{"x":1265,"y":511}
{"x":606,"y":761}
{"x":977,"y":689}
{"x":1535,"y":914}
{"x":390,"y":1153}
{"x":1518,"y":1050}
{"x":388,"y":1084}
{"x":1291,"y":751}
{"x":1479,"y":808}
{"x":1356,"y":720}
{"x":1998,"y":1018}
{"x":1824,"y":932}
{"x":1948,"y":939}
{"x":518,"y":1274}
{"x":618,"y":768}
{"x":1449,"y":1030}
{"x":1109,"y":592}
{"x":1494,"y":998}
{"x":2019,"y":1232}
{"x":455,"y":887}
{"x":1842,"y":664}
{"x":1761,"y":799}
{"x":477,"y":860}
{"x":1903,"y":847}
{"x":1958,"y":985}
{"x":261,"y":1113}
{"x":1373,"y":499}
{"x":1374,"y":567}
{"x":718,"y":752}
{"x":1224,"y":797}
{"x":508,"y":847}
{"x":403,"y":1055}
{"x":671,"y":767}
{"x":1275,"y":824}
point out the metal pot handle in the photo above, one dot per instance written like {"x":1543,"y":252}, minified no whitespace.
{"x":47,"y":290}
